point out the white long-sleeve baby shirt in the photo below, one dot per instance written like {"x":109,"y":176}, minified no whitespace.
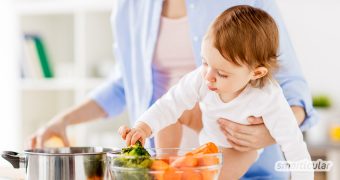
{"x":268,"y":102}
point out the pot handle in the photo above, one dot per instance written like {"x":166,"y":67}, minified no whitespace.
{"x":12,"y":157}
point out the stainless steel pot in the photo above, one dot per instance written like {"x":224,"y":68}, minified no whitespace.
{"x":74,"y":163}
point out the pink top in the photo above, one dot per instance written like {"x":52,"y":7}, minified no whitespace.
{"x":173,"y":56}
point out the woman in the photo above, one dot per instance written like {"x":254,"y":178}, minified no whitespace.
{"x":156,"y":42}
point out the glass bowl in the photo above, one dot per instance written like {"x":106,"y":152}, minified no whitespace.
{"x":165,"y":164}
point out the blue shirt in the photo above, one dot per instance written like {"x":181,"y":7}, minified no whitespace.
{"x":135,"y":26}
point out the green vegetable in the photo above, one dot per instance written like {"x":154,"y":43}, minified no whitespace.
{"x":321,"y":101}
{"x":136,"y":150}
{"x":133,"y":163}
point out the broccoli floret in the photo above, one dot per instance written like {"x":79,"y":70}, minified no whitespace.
{"x":136,"y":150}
{"x":146,"y":163}
{"x":137,"y":157}
{"x":139,"y":152}
{"x":126,"y":150}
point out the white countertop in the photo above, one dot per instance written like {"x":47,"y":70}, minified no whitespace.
{"x":11,"y":173}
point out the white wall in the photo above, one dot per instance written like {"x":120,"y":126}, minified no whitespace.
{"x":314,"y":26}
{"x":9,"y":121}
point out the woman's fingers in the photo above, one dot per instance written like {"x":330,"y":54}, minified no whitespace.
{"x":239,"y":147}
{"x":31,"y":143}
{"x":247,"y":137}
{"x":41,"y":140}
{"x":255,"y":120}
{"x":240,"y":142}
{"x":239,"y":138}
{"x":244,"y":137}
{"x":235,"y":127}
{"x":65,"y":139}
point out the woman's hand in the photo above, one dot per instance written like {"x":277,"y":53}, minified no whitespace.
{"x":54,"y":128}
{"x":86,"y":111}
{"x":246,"y":137}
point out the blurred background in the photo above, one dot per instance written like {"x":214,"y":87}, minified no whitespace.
{"x":53,"y":52}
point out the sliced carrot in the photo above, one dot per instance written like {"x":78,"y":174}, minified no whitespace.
{"x":191,"y":175}
{"x":159,"y":175}
{"x":159,"y":165}
{"x":184,"y":161}
{"x":207,"y":148}
{"x":163,"y":157}
{"x":171,"y":174}
{"x":207,"y":160}
{"x":209,"y":174}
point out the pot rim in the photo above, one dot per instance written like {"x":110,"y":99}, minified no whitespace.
{"x":65,"y":151}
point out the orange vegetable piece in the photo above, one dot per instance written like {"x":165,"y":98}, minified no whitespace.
{"x":163,"y":157}
{"x":207,"y":160}
{"x":191,"y":175}
{"x":208,"y":174}
{"x":184,"y":161}
{"x":159,"y":175}
{"x":171,"y":174}
{"x":208,"y":148}
{"x":159,"y":165}
{"x":166,"y":160}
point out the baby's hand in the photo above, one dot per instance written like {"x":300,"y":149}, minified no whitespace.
{"x":132,"y":135}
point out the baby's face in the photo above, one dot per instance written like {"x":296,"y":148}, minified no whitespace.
{"x":222,"y":76}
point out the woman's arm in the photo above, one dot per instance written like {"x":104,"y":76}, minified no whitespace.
{"x":106,"y":100}
{"x":87,"y":111}
{"x":289,"y":74}
{"x":299,"y":113}
{"x":253,"y":136}
{"x":84,"y":112}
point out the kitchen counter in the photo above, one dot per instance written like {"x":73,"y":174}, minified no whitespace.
{"x":11,"y":173}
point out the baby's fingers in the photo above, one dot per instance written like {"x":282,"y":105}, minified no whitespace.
{"x":128,"y":137}
{"x":135,"y":138}
{"x":123,"y":131}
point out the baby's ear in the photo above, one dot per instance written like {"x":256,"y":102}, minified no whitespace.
{"x":259,"y":72}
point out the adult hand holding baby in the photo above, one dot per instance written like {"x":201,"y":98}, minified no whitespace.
{"x":246,"y":137}
{"x":255,"y":135}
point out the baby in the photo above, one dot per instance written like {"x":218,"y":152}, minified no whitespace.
{"x":239,"y":56}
